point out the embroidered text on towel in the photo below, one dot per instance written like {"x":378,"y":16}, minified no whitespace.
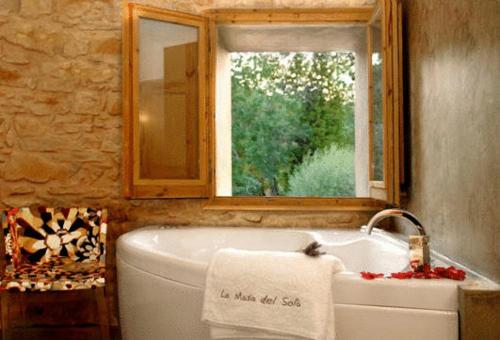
{"x":284,"y":301}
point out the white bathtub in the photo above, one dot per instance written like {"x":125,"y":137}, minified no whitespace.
{"x":161,"y":275}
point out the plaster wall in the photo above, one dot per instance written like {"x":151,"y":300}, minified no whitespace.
{"x":361,"y":119}
{"x":223,"y":122}
{"x":293,"y":38}
{"x":453,"y":49}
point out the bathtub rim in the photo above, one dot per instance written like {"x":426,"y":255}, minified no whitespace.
{"x":123,"y":249}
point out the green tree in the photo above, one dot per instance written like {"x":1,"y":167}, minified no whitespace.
{"x":286,"y":106}
{"x":378,"y":120}
{"x":264,"y":130}
{"x":327,"y":172}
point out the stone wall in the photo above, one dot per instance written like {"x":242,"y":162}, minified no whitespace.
{"x":60,"y":97}
{"x":61,"y":123}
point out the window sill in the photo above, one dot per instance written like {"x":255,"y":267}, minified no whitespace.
{"x":294,"y":204}
{"x":377,"y":184}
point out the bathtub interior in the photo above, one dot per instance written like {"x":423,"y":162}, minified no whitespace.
{"x":199,"y":244}
{"x":370,"y":255}
{"x":358,"y":251}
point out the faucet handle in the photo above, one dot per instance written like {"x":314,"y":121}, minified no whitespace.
{"x":419,"y":251}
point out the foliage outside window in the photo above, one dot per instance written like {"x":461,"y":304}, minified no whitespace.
{"x":293,"y":124}
{"x":378,"y":121}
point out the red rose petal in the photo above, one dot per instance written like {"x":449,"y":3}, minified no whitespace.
{"x":426,"y":272}
{"x":371,"y":276}
{"x":402,"y":275}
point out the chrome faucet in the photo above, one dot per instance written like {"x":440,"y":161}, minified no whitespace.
{"x":419,"y":244}
{"x":395,"y":213}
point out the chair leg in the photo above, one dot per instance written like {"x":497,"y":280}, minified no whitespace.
{"x":4,"y":301}
{"x":102,"y":309}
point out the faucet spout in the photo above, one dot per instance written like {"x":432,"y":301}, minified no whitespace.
{"x":395,"y":213}
{"x":418,"y":244}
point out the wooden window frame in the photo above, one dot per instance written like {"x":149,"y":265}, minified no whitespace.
{"x":294,"y":16}
{"x":389,"y":189}
{"x":377,"y":187}
{"x":134,"y":186}
{"x":205,"y":186}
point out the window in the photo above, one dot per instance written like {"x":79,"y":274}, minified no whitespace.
{"x":296,"y":123}
{"x":298,"y":110}
{"x":164,"y":102}
{"x":264,"y":109}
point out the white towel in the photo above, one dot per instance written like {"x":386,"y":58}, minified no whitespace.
{"x":270,"y":295}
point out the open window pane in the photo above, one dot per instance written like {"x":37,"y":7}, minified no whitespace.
{"x":292,"y":111}
{"x":168,"y":100}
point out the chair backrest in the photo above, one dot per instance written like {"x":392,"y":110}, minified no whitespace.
{"x":39,"y":235}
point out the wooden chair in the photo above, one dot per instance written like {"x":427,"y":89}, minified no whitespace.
{"x":48,"y":251}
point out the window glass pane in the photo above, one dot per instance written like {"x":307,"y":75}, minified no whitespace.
{"x":377,"y":106}
{"x":168,"y":100}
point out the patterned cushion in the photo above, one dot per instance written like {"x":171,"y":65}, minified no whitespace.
{"x":58,"y":274}
{"x":48,"y":248}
